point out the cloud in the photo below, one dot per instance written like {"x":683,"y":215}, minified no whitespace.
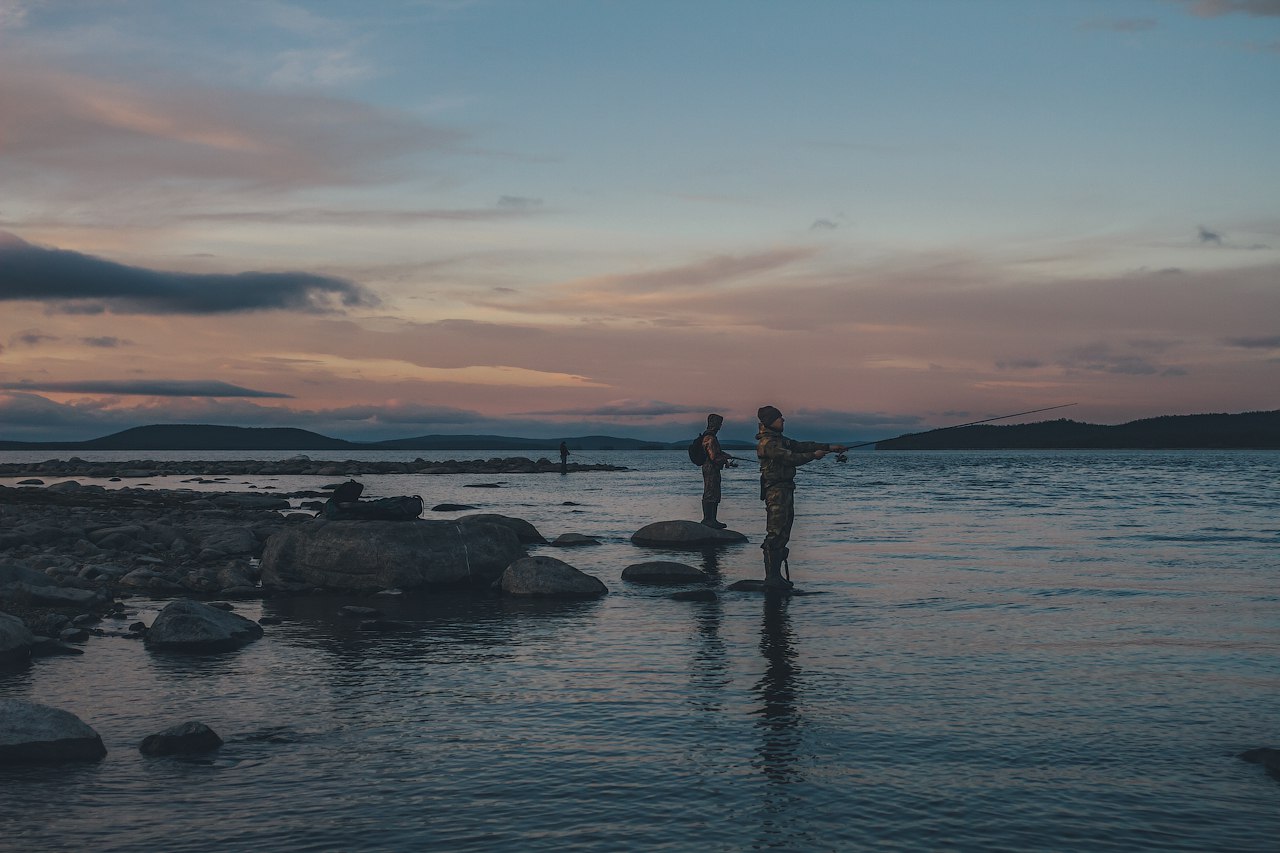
{"x":515,"y":202}
{"x":1207,"y":236}
{"x":1218,"y":8}
{"x":1099,"y":358}
{"x":1257,"y":342}
{"x":146,"y":388}
{"x":30,"y":337}
{"x":83,"y":284}
{"x":625,"y":409}
{"x":1120,"y":25}
{"x":106,"y":342}
{"x":823,"y":225}
{"x":1019,"y":364}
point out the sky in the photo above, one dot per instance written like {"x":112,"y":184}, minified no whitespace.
{"x":545,"y":218}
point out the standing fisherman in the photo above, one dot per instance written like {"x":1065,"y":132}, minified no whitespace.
{"x":779,"y":458}
{"x":564,"y":458}
{"x":716,"y":459}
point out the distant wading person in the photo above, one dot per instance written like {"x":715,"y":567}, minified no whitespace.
{"x":564,"y":458}
{"x":716,"y":460}
{"x":779,"y":457}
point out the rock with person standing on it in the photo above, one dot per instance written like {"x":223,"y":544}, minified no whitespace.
{"x":663,"y":572}
{"x":684,"y":535}
{"x":190,"y":626}
{"x":374,"y":555}
{"x":31,"y":733}
{"x":184,"y":739}
{"x":547,"y":577}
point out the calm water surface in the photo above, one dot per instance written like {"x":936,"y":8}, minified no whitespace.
{"x":1004,"y":651}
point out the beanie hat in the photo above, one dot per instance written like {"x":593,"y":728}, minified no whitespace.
{"x":768,"y":414}
{"x":714,"y":421}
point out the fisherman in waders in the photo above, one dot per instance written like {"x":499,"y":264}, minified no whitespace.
{"x":717,"y":459}
{"x":779,"y":458}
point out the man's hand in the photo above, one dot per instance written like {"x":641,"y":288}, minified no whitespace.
{"x":818,"y":454}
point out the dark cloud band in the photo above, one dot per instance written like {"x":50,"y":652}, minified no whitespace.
{"x":147,"y":388}
{"x":85,"y":284}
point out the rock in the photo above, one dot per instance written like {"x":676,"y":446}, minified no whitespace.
{"x":572,"y":540}
{"x":270,"y":620}
{"x":231,"y":541}
{"x":359,"y":612}
{"x":1266,"y":756}
{"x":524,"y":531}
{"x":375,"y":555}
{"x":451,"y":508}
{"x":46,"y":647}
{"x":550,"y":578}
{"x":73,"y":635}
{"x":663,"y":572}
{"x":694,"y":595}
{"x":683,"y":535}
{"x":185,"y":739}
{"x":244,"y":501}
{"x":31,"y":482}
{"x":48,"y":624}
{"x":186,"y":625}
{"x":16,"y":640}
{"x":32,"y":733}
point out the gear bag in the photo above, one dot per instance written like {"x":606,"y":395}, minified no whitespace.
{"x":698,"y":451}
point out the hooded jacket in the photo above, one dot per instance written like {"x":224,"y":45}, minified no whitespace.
{"x":780,"y":456}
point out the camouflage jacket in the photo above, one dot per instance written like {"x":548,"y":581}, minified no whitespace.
{"x":780,"y":456}
{"x":715,"y":456}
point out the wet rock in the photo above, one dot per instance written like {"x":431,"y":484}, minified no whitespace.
{"x":184,"y":739}
{"x":359,"y":612}
{"x":47,"y":647}
{"x":270,"y":620}
{"x":663,"y":572}
{"x":451,"y":507}
{"x":16,"y":640}
{"x":573,"y":540}
{"x":231,"y":542}
{"x":48,"y":624}
{"x":549,"y":578}
{"x":684,"y":535}
{"x":373,"y":555}
{"x":31,"y":482}
{"x":186,"y":625}
{"x":31,"y":733}
{"x":524,"y":531}
{"x":1266,"y":756}
{"x":73,"y":635}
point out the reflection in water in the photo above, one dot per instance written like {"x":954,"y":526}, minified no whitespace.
{"x":781,"y":812}
{"x":710,"y":664}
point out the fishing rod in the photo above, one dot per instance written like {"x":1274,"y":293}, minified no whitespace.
{"x":955,"y":426}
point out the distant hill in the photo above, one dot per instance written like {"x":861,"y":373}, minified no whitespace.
{"x":1249,"y":430}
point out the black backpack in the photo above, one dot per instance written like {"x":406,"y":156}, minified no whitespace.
{"x":348,"y":492}
{"x":698,"y":451}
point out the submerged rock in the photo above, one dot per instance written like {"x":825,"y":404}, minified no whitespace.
{"x":550,"y":578}
{"x":184,"y":739}
{"x":573,"y":540}
{"x":372,"y":555}
{"x":663,"y":572}
{"x":190,"y":626}
{"x":684,"y":535}
{"x":36,"y":734}
{"x":1266,"y":756}
{"x":524,"y":531}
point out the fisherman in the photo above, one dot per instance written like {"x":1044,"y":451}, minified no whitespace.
{"x":564,"y":458}
{"x":779,"y":457}
{"x":716,"y":459}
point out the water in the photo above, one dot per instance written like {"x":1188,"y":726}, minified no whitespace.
{"x":1007,"y":651}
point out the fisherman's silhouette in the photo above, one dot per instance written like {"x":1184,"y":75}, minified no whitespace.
{"x":778,"y":755}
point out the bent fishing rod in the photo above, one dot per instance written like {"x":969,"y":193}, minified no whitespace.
{"x":956,"y":426}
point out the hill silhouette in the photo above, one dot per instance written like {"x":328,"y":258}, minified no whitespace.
{"x":1248,"y":430}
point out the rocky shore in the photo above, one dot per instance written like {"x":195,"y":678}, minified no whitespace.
{"x":296,"y":465}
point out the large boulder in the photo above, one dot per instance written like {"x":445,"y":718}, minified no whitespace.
{"x":16,"y":640}
{"x":663,"y":572}
{"x":547,"y":577}
{"x":370,"y":555}
{"x":684,"y":535}
{"x":191,"y":626}
{"x":525,"y":531}
{"x":32,"y":733}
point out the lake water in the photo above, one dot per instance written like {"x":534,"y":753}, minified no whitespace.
{"x":1004,"y":651}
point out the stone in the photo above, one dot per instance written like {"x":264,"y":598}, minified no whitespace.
{"x":1266,"y":756}
{"x":31,"y":482}
{"x":663,"y":572}
{"x":184,"y":739}
{"x":525,"y":532}
{"x":375,"y":555}
{"x":359,"y":612}
{"x":573,"y":540}
{"x":73,"y":635}
{"x":191,"y":626}
{"x":684,"y":535}
{"x":31,"y":733}
{"x":16,"y":640}
{"x":549,"y":578}
{"x":451,"y":508}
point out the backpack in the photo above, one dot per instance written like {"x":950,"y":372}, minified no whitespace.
{"x":348,"y":492}
{"x":404,"y":508}
{"x":698,"y":451}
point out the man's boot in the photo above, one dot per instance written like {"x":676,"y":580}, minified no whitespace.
{"x":773,"y":579}
{"x":709,"y":510}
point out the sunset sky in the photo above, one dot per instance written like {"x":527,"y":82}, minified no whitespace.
{"x":390,"y":218}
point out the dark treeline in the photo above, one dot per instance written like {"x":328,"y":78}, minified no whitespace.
{"x":1249,"y":430}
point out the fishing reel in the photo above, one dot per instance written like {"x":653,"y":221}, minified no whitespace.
{"x":842,"y":456}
